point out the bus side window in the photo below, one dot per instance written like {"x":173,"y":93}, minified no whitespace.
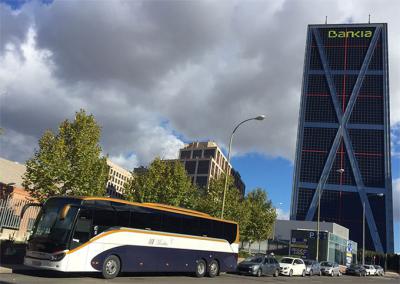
{"x":103,"y":219}
{"x":189,"y":225}
{"x":123,"y":218}
{"x":83,"y":226}
{"x":146,"y":218}
{"x":218,"y":230}
{"x":204,"y":227}
{"x":171,"y":222}
{"x":230,"y":232}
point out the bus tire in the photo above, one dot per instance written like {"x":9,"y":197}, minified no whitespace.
{"x":111,"y":267}
{"x":213,"y":269}
{"x":201,"y":268}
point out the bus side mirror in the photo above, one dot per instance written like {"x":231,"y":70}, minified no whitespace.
{"x":64,"y":211}
{"x":26,"y":206}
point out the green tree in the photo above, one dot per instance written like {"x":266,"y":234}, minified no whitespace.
{"x":261,"y":216}
{"x":69,"y":162}
{"x":210,"y":200}
{"x":164,"y":182}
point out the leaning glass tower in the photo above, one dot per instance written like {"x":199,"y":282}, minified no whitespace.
{"x":343,"y":140}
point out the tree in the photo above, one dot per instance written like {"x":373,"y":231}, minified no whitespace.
{"x":164,"y":182}
{"x":261,"y":217}
{"x":210,"y":200}
{"x":69,"y":162}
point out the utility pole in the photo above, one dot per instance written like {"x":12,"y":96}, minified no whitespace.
{"x":363,"y":237}
{"x":318,"y":215}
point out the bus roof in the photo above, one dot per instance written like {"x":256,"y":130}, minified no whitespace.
{"x":158,"y":206}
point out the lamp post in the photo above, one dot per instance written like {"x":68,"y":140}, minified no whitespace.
{"x":363,"y":227}
{"x":260,"y":117}
{"x":340,"y":171}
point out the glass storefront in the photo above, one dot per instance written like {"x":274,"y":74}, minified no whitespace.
{"x":331,"y":247}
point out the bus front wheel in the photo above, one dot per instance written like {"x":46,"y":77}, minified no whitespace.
{"x":111,"y":267}
{"x":201,"y":268}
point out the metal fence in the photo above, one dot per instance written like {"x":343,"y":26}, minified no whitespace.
{"x":10,"y":217}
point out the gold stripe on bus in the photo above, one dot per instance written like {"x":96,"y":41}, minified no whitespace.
{"x":183,"y":210}
{"x":142,"y":232}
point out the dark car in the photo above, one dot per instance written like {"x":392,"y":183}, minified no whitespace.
{"x":312,"y":267}
{"x":259,"y":265}
{"x":356,"y":269}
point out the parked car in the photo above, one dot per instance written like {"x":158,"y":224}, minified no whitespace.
{"x":292,"y":266}
{"x":371,"y":270}
{"x":379,"y":270}
{"x":356,"y":269}
{"x":259,"y":265}
{"x":312,"y":267}
{"x":330,"y":268}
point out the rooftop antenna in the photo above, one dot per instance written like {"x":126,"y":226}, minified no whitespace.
{"x":369,"y":18}
{"x":326,"y":20}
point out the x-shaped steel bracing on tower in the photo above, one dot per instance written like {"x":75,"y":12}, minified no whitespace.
{"x":342,"y":133}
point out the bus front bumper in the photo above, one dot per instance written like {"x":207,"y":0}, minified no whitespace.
{"x":43,"y":264}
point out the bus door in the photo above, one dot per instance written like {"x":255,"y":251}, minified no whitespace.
{"x":83,"y":232}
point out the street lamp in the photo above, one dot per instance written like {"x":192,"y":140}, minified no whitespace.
{"x":363,"y":225}
{"x":260,"y":117}
{"x":340,"y":171}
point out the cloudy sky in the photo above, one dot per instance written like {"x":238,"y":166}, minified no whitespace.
{"x":157,"y":74}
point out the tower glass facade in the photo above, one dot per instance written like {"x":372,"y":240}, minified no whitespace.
{"x":343,"y":143}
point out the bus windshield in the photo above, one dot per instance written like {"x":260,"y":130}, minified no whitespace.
{"x":49,"y":230}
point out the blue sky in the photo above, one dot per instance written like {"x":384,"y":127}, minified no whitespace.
{"x":156,"y":74}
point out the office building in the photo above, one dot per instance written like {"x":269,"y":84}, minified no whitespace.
{"x":343,"y":141}
{"x":117,"y":177}
{"x":204,"y":161}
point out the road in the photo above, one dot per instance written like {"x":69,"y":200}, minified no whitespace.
{"x":61,"y":278}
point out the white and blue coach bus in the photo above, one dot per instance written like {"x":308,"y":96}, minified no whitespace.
{"x":81,"y":234}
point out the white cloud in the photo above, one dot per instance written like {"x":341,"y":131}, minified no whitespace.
{"x":282,"y":214}
{"x":396,"y":200}
{"x":395,"y":140}
{"x":33,"y":99}
{"x":128,"y":162}
{"x":202,"y":66}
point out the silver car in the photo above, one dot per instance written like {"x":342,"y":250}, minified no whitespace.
{"x":330,"y":268}
{"x":379,"y":270}
{"x":312,"y":267}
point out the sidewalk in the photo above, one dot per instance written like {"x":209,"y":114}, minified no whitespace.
{"x":392,"y":274}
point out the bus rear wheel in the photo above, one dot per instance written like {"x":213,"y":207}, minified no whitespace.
{"x":213,"y":269}
{"x":201,"y":268}
{"x":111,"y":267}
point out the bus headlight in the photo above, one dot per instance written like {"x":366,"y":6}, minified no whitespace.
{"x":57,"y":257}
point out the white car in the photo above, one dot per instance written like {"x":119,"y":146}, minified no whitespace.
{"x":370,"y":269}
{"x":292,"y":266}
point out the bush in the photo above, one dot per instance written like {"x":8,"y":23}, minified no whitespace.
{"x":244,"y":254}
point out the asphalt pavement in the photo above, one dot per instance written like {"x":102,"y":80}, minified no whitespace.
{"x":83,"y":278}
